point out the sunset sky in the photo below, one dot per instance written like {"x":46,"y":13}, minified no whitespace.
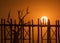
{"x":37,"y":8}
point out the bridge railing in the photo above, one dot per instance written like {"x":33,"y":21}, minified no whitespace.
{"x":25,"y":33}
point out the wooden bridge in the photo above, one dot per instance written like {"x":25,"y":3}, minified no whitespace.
{"x":14,"y":32}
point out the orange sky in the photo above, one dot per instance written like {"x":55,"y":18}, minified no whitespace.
{"x":37,"y":8}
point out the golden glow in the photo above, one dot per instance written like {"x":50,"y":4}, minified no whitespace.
{"x":44,"y":19}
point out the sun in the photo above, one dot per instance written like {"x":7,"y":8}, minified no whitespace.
{"x":44,"y":19}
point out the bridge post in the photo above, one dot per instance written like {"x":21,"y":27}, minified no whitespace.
{"x":48,"y":32}
{"x":1,"y":31}
{"x":11,"y":30}
{"x":56,"y":31}
{"x":29,"y":33}
{"x":32,"y":33}
{"x":38,"y":30}
{"x":4,"y":32}
{"x":41,"y":34}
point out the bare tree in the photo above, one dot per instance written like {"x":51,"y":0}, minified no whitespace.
{"x":21,"y":17}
